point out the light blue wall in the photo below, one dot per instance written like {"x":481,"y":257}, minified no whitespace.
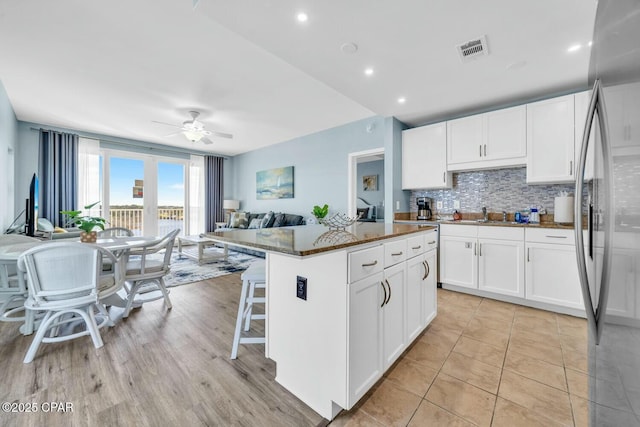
{"x":397,"y":199}
{"x":320,"y":162}
{"x":27,"y":154}
{"x":8,"y":142}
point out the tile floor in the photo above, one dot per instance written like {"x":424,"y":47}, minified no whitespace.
{"x":486,"y":363}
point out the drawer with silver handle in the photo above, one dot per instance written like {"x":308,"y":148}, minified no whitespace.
{"x":365,"y":262}
{"x":431,"y":240}
{"x":416,"y":245}
{"x":550,"y":235}
{"x":395,"y":252}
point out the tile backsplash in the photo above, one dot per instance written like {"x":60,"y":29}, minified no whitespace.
{"x":499,"y":190}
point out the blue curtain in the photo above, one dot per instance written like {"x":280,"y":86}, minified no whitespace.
{"x":57,"y":171}
{"x":213,"y":191}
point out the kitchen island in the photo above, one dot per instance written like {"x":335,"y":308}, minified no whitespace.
{"x":342,"y":306}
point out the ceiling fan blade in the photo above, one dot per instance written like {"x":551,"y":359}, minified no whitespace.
{"x":206,"y":141}
{"x":222,"y":134}
{"x":173,"y":134}
{"x":168,"y":124}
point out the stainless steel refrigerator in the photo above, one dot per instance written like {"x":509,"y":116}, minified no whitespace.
{"x":607,"y":216}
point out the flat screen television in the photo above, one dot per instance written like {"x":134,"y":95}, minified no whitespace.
{"x":31,"y":223}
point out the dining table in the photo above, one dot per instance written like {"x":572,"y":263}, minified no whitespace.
{"x":11,"y":249}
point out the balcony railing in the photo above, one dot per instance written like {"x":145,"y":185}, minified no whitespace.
{"x":131,"y":218}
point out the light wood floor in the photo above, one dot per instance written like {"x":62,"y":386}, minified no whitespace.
{"x":157,"y":368}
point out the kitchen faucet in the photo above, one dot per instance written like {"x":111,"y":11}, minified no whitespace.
{"x":485,"y":214}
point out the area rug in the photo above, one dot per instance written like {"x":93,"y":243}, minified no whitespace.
{"x":187,"y":270}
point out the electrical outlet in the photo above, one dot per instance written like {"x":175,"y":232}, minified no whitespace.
{"x":397,"y":205}
{"x":439,"y":204}
{"x":456,"y":204}
{"x":301,"y":287}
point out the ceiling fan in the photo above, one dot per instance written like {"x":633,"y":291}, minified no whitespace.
{"x":194,"y":130}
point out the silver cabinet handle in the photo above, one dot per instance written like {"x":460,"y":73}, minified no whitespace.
{"x":396,"y":253}
{"x":444,"y":176}
{"x":432,"y":242}
{"x":370,"y":264}
{"x":480,"y":146}
{"x":474,"y":250}
{"x":388,"y":286}
{"x":528,"y":251}
{"x":428,"y":269}
{"x":570,"y":167}
{"x":485,"y":150}
{"x":556,"y":237}
{"x":480,"y":249}
{"x":384,"y":300}
{"x":415,"y":248}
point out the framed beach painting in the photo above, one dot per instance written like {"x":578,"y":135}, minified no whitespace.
{"x":275,"y":184}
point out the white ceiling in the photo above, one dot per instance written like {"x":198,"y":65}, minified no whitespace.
{"x":254,"y":71}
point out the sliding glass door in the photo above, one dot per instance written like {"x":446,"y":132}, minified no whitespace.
{"x":143,"y":193}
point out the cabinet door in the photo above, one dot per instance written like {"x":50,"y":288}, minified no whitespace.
{"x":429,"y":288}
{"x":458,"y":261}
{"x":505,"y":134}
{"x":416,"y":275}
{"x":550,"y":140}
{"x":365,"y":335}
{"x":424,"y":157}
{"x":464,"y":139}
{"x":622,"y":284}
{"x":581,"y":108}
{"x":394,"y":330}
{"x":552,"y":275}
{"x":501,"y":266}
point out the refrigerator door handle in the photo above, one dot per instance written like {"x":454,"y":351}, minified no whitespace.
{"x":595,"y":317}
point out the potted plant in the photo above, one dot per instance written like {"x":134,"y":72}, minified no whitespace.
{"x":86,"y":223}
{"x":320,"y":212}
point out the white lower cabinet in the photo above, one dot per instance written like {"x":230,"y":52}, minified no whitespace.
{"x":393,"y":318}
{"x":485,"y":258}
{"x":365,"y":335}
{"x":389,"y":307}
{"x":421,"y":292}
{"x":501,"y":261}
{"x":552,"y":270}
{"x":458,"y":255}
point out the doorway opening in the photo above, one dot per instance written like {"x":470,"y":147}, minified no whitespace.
{"x":367,"y":185}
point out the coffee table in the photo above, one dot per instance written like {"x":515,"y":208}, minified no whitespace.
{"x":201,"y":243}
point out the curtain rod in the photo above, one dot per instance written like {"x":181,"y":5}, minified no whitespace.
{"x":162,"y":148}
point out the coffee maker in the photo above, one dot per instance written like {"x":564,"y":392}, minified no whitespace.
{"x":424,"y":211}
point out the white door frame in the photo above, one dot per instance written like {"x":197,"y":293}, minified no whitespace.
{"x":352,"y":172}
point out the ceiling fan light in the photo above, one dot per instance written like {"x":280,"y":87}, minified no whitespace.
{"x":192,"y":136}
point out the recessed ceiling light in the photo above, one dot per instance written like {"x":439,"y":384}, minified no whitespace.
{"x":368,"y":71}
{"x":402,"y":100}
{"x":574,"y":48}
{"x":302,"y":17}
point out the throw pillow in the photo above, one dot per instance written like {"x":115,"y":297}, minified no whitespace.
{"x":267,"y":220}
{"x":255,"y":223}
{"x":279,"y":220}
{"x":238,"y":220}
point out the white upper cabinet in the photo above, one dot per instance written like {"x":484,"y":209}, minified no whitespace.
{"x":581,"y":109}
{"x":493,"y":139}
{"x":424,"y":157}
{"x":551,"y":140}
{"x":464,"y":142}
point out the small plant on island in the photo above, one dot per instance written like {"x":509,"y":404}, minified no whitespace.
{"x":320,"y":212}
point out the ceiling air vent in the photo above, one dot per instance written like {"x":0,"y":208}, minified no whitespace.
{"x":473,"y":49}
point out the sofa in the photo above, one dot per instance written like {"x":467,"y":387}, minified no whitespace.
{"x":248,"y":220}
{"x":269,"y":219}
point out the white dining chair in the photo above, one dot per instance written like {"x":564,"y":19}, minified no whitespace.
{"x":144,"y":274}
{"x":13,"y":291}
{"x":66,"y":281}
{"x":115,"y":232}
